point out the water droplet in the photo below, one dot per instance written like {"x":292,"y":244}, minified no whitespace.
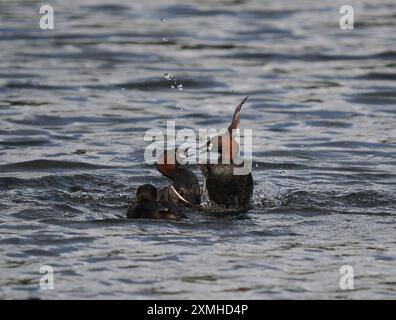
{"x":167,"y":76}
{"x":180,"y":87}
{"x":162,"y":20}
{"x":179,"y":107}
{"x":123,"y":89}
{"x":283,"y":172}
{"x":165,"y":39}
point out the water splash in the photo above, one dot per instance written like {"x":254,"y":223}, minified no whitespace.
{"x":268,"y":195}
{"x":168,"y":76}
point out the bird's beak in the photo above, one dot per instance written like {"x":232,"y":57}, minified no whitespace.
{"x":189,"y":155}
{"x":198,"y":154}
{"x":192,"y":154}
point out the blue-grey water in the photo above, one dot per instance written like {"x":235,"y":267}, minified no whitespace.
{"x":76,"y":101}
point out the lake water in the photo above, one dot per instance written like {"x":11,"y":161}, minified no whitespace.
{"x":76,"y":101}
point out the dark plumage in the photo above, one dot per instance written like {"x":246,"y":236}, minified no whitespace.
{"x":221,"y":183}
{"x":185,"y":185}
{"x":225,"y":188}
{"x":147,"y":206}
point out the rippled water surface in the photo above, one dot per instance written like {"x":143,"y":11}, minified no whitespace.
{"x":76,"y":101}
